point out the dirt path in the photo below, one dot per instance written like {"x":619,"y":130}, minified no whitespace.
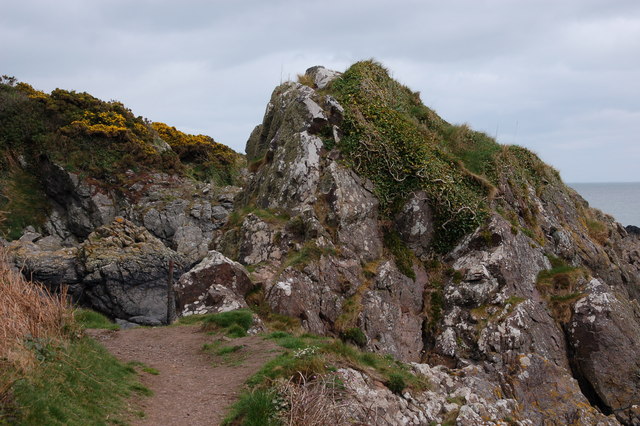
{"x":190,"y":389}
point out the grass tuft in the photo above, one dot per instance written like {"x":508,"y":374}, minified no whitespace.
{"x":87,"y":318}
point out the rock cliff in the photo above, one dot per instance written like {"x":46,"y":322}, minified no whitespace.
{"x":491,"y":264}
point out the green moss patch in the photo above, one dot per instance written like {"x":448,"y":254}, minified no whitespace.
{"x":87,"y":318}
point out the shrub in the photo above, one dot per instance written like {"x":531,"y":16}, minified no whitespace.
{"x":391,"y":138}
{"x":396,"y":383}
{"x":240,"y":317}
{"x":29,"y":310}
{"x":255,"y":408}
{"x":354,"y":335}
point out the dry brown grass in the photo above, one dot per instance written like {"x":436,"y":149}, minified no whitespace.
{"x":28,"y":312}
{"x":314,"y":403}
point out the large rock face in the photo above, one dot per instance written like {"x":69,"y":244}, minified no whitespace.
{"x":182,"y":213}
{"x":326,"y":265}
{"x":542,"y":298}
{"x":126,"y":272}
{"x":120,"y":269}
{"x":605,"y":347}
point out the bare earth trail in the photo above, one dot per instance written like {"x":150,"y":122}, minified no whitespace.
{"x":189,"y":390}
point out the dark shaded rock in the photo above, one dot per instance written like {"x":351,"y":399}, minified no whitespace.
{"x":78,"y":206}
{"x":49,"y":267}
{"x":549,"y":394}
{"x":631,"y":229}
{"x":126,"y":325}
{"x":604,"y":335}
{"x":126,"y":272}
{"x":216,"y":284}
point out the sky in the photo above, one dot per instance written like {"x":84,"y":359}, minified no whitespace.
{"x":559,"y":77}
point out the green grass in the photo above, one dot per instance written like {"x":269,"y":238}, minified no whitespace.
{"x":151,"y":370}
{"x":254,"y":408}
{"x":271,"y":216}
{"x":309,"y":252}
{"x":232,"y":323}
{"x":87,"y":318}
{"x":401,"y":253}
{"x":225,"y":355}
{"x":354,"y":335}
{"x":558,"y":266}
{"x":306,"y":358}
{"x":143,"y":367}
{"x":80,"y":384}
{"x":565,"y":297}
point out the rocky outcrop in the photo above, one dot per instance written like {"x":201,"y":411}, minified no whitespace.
{"x":126,"y":272}
{"x":182,"y":213}
{"x":326,"y":264}
{"x":44,"y":259}
{"x":120,"y":270}
{"x":216,"y":284}
{"x":605,"y":343}
{"x":515,"y":299}
{"x":78,"y":207}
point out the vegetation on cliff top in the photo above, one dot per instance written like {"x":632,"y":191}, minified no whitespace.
{"x":100,"y":140}
{"x":402,"y":146}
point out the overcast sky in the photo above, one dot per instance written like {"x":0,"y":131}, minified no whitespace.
{"x":560,"y":77}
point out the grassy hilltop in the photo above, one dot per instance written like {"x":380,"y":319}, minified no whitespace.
{"x":100,"y":140}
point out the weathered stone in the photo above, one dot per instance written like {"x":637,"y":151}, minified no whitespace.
{"x":50,"y":267}
{"x":126,"y":271}
{"x":257,"y":241}
{"x":216,"y":284}
{"x":322,"y":76}
{"x":548,"y":393}
{"x":415,"y":224}
{"x":78,"y":206}
{"x":392,"y":313}
{"x":355,"y":209}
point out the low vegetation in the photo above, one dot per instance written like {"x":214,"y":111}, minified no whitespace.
{"x":86,"y":318}
{"x":561,"y":286}
{"x":49,"y":373}
{"x":305,"y":371}
{"x":233,"y":323}
{"x":391,"y":138}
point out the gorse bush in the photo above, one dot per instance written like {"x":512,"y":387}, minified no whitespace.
{"x":102,"y":141}
{"x":209,"y":159}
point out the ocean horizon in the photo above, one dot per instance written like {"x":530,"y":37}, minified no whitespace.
{"x":619,"y":199}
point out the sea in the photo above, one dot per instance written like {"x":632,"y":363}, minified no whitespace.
{"x":620,"y":200}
